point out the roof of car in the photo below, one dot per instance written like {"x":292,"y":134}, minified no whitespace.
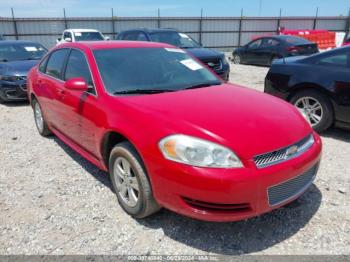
{"x":116,"y":44}
{"x":282,"y":37}
{"x":14,"y":42}
{"x":152,"y":30}
{"x":80,"y":30}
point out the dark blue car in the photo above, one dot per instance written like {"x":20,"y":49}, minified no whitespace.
{"x":213,"y":59}
{"x":16,"y":59}
{"x":318,"y":85}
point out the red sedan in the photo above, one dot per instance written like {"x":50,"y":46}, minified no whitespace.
{"x":171,"y":133}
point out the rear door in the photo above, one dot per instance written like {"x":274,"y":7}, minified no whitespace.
{"x":269,"y":49}
{"x":253,"y":52}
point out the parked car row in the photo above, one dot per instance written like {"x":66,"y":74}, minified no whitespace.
{"x":170,"y":132}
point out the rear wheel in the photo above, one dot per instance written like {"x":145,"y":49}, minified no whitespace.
{"x":236,"y":59}
{"x":316,"y":107}
{"x":130,"y":181}
{"x":40,"y":122}
{"x":2,"y":101}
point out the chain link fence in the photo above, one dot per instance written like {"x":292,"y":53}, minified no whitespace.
{"x":215,"y":32}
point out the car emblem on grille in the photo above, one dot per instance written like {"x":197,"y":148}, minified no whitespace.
{"x":291,"y":151}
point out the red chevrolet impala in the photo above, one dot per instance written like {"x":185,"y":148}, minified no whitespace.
{"x":171,"y":133}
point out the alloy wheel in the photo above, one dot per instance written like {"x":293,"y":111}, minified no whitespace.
{"x":126,"y":182}
{"x":236,"y":59}
{"x":311,"y":108}
{"x":39,"y":120}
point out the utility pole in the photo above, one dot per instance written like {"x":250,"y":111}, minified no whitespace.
{"x":315,"y":20}
{"x":65,"y":18}
{"x":14,"y":23}
{"x":158,"y":18}
{"x":113,"y":26}
{"x":200,"y":26}
{"x":260,"y":7}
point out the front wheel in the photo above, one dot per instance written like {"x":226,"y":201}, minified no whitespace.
{"x":130,"y":181}
{"x":316,"y":107}
{"x":236,"y":59}
{"x":2,"y":101}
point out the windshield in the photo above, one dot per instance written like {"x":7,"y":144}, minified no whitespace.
{"x":127,"y":70}
{"x":174,"y":38}
{"x":88,"y":36}
{"x":17,"y":52}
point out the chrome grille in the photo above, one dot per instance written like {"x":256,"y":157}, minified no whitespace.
{"x":285,"y":191}
{"x":284,"y":154}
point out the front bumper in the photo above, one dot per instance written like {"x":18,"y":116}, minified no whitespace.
{"x":224,"y":73}
{"x":13,"y":92}
{"x":227,"y":194}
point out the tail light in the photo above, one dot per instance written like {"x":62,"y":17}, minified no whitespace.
{"x":292,"y":49}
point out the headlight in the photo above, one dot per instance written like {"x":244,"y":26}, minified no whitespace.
{"x":197,"y":152}
{"x":224,"y":60}
{"x":8,"y":78}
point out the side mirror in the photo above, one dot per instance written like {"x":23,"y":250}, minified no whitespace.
{"x":68,"y":39}
{"x":107,"y":38}
{"x":76,"y":84}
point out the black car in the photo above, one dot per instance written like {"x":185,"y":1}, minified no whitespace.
{"x":16,"y":59}
{"x":213,"y":59}
{"x":318,"y":85}
{"x":264,"y":50}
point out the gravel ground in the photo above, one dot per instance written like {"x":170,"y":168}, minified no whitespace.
{"x":52,"y":201}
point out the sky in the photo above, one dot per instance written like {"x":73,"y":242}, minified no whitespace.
{"x":54,"y":8}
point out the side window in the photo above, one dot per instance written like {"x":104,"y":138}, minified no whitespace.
{"x":43,"y":64}
{"x":141,"y":37}
{"x":270,"y":42}
{"x":131,"y":36}
{"x":255,"y":44}
{"x":67,"y":35}
{"x":55,"y":63}
{"x":77,"y":66}
{"x":339,"y":60}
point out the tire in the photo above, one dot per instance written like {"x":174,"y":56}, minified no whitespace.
{"x":325,"y":112}
{"x":2,"y":101}
{"x":41,"y":125}
{"x":125,"y":188}
{"x":236,"y":59}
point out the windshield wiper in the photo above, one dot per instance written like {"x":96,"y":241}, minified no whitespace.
{"x":201,"y":85}
{"x":142,"y":91}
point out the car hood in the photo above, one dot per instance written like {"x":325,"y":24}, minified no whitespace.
{"x":203,"y":53}
{"x":20,"y":68}
{"x":247,"y":121}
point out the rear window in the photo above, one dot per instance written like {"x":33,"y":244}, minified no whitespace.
{"x":296,"y":40}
